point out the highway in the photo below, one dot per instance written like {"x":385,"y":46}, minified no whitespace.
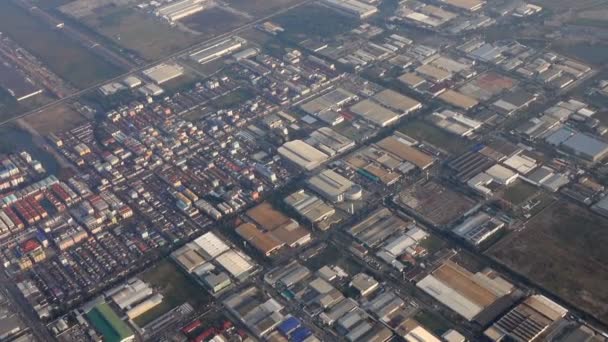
{"x":190,"y":49}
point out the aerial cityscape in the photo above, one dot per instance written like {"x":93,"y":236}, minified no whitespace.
{"x":301,"y":171}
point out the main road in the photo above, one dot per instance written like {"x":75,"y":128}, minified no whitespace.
{"x":164,"y":59}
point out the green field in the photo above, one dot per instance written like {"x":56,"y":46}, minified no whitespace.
{"x":214,"y":21}
{"x":425,"y":131}
{"x":65,"y":57}
{"x":148,"y":37}
{"x":176,"y":288}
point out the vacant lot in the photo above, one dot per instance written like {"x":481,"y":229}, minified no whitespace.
{"x":65,"y":57}
{"x":519,"y":192}
{"x":148,"y":37}
{"x":175,"y":287}
{"x":55,"y":119}
{"x":427,"y":132}
{"x":564,"y":250}
{"x":261,"y":8}
{"x":213,"y":22}
{"x":314,"y":21}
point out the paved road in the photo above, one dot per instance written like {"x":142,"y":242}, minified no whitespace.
{"x":141,"y":68}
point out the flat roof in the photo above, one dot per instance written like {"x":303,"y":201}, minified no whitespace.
{"x":458,"y":99}
{"x":302,"y":154}
{"x":330,"y":182}
{"x":374,"y":113}
{"x":106,"y":322}
{"x":434,"y":73}
{"x":401,"y":149}
{"x":396,"y":101}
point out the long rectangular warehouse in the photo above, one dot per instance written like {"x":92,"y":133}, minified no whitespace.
{"x":179,"y":9}
{"x":217,"y":50}
{"x":353,"y":8}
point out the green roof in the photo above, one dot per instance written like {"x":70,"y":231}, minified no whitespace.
{"x":105,"y":320}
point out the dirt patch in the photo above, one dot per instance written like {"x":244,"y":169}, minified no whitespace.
{"x":55,"y":119}
{"x":564,"y":250}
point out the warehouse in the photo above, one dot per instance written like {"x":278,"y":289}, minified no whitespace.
{"x":309,"y":206}
{"x":164,"y":72}
{"x":264,"y":242}
{"x":188,"y":258}
{"x":132,"y":292}
{"x":237,"y":265}
{"x":458,"y":100}
{"x":330,"y":141}
{"x":330,"y":101}
{"x":375,"y":113}
{"x":455,"y":122}
{"x":527,"y":321}
{"x":465,"y":293}
{"x":283,"y":228}
{"x":412,"y":80}
{"x":354,"y":8}
{"x":330,"y":185}
{"x":467,"y":5}
{"x":402,"y":149}
{"x":144,"y":306}
{"x":211,"y":245}
{"x":302,"y":154}
{"x":477,"y":229}
{"x":106,"y":322}
{"x":433,"y":73}
{"x":377,"y":227}
{"x":395,"y":101}
{"x":179,"y":9}
{"x":217,"y":50}
{"x":586,"y":147}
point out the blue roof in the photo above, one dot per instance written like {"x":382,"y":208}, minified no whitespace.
{"x":288,"y":325}
{"x":300,"y":334}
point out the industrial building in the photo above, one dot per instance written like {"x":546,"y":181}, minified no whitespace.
{"x":309,"y":206}
{"x":283,"y":228}
{"x":433,"y":74}
{"x":330,"y":185}
{"x":329,"y":141}
{"x":354,"y":8}
{"x":377,"y":227}
{"x":458,"y":100}
{"x":395,"y":101}
{"x":478,"y":228}
{"x":217,"y":50}
{"x":261,"y":316}
{"x":135,"y":290}
{"x":302,"y":154}
{"x":132,"y":82}
{"x":495,"y":177}
{"x":164,"y":72}
{"x":109,"y":325}
{"x":468,"y":294}
{"x":467,"y":5}
{"x":455,"y":122}
{"x":332,"y":100}
{"x":400,"y":147}
{"x":264,"y":242}
{"x":145,"y":306}
{"x":527,"y":321}
{"x":374,"y":113}
{"x":179,"y":9}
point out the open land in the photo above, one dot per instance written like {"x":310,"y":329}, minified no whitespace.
{"x":54,"y":119}
{"x":148,"y":37}
{"x":313,"y":21}
{"x":214,"y":21}
{"x":563,"y":250}
{"x":175,"y":287}
{"x":66,"y":58}
{"x":426,"y":132}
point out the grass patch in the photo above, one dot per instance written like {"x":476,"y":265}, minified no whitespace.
{"x":65,"y":57}
{"x":425,"y":131}
{"x":176,"y":288}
